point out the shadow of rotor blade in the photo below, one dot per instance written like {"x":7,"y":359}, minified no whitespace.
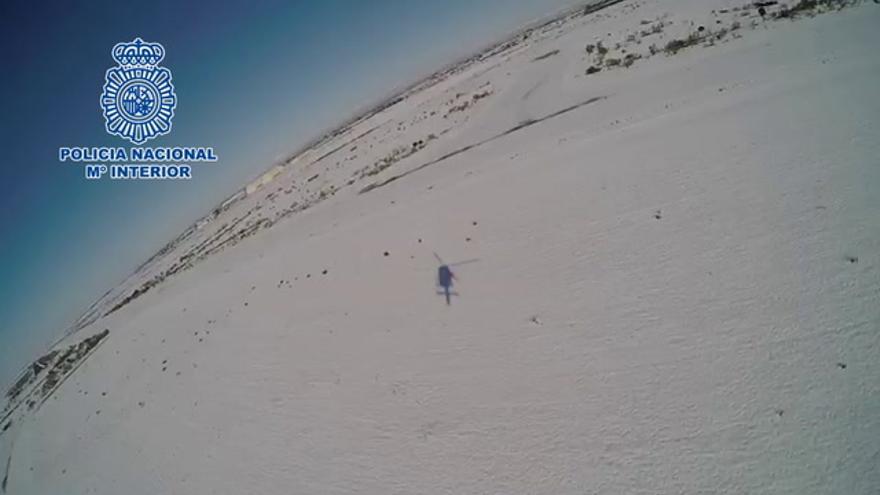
{"x":439,"y":259}
{"x":465,"y":262}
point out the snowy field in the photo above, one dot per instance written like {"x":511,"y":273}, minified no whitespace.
{"x":670,"y":244}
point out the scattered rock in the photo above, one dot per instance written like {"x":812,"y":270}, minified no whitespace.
{"x":841,"y":366}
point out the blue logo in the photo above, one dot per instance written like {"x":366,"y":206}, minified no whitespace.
{"x":138,"y":99}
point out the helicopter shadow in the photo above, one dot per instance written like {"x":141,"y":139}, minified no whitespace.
{"x":446,"y":277}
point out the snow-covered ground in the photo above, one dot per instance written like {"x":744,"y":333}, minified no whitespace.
{"x":671,"y":285}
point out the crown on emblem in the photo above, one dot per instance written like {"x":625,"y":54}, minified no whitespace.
{"x":138,"y":53}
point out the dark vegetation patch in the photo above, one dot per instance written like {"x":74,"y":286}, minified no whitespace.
{"x":50,"y":370}
{"x":468,"y":102}
{"x":676,"y":45}
{"x":630,"y":59}
{"x":809,"y":7}
{"x":395,"y":156}
{"x":655,"y":29}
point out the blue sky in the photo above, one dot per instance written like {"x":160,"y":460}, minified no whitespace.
{"x":254,"y":79}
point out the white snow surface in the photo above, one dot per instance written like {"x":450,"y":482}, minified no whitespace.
{"x":674,"y":289}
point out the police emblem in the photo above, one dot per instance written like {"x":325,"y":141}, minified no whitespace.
{"x":138,"y":98}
